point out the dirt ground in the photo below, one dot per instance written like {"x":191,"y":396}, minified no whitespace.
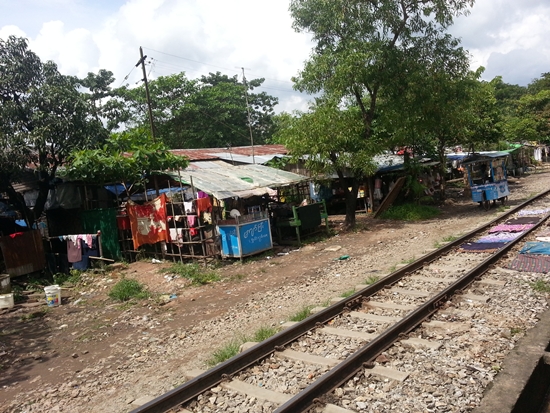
{"x":80,"y":355}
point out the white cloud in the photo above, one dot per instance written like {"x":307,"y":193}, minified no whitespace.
{"x":508,"y":37}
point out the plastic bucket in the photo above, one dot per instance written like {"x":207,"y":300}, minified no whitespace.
{"x":6,"y":301}
{"x":53,"y":295}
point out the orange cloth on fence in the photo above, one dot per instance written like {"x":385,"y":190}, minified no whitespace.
{"x":148,"y":221}
{"x":203,"y":205}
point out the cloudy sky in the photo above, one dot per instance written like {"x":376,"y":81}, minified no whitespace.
{"x":509,"y":38}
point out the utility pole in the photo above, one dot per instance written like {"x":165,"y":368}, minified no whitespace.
{"x":248,"y":112}
{"x":142,"y":63}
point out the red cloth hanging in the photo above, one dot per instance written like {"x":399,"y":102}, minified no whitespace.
{"x":203,"y":205}
{"x":148,"y":221}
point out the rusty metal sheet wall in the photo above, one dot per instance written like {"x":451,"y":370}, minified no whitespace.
{"x":24,"y":253}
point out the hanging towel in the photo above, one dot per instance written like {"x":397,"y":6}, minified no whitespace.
{"x":74,"y":252}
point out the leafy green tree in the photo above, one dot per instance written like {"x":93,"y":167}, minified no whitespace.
{"x":368,"y":54}
{"x":526,"y":114}
{"x":106,"y":103}
{"x":43,"y":117}
{"x":206,"y":112}
{"x":330,"y":140}
{"x":366,"y":50}
{"x":129,"y":158}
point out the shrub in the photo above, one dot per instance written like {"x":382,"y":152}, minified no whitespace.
{"x":127,"y":289}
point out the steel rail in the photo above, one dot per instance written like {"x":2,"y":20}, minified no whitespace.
{"x":211,"y":378}
{"x":363,"y":358}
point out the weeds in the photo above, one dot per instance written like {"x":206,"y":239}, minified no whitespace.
{"x":302,"y":314}
{"x":224,"y":353}
{"x":72,"y":278}
{"x":264,"y":333}
{"x":346,"y":294}
{"x":514,"y":331}
{"x":127,"y":289}
{"x":446,"y":240}
{"x":541,"y":286}
{"x":193,"y":272}
{"x":372,"y":279}
{"x":410,"y":212}
{"x":232,"y":348}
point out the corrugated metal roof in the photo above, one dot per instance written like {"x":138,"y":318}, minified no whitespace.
{"x":262,"y":153}
{"x":226,"y":181}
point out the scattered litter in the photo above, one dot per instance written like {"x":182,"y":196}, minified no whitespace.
{"x":343,"y":257}
{"x":78,"y":301}
{"x":173,"y":296}
{"x":282,"y":253}
{"x":336,"y":275}
{"x":268,"y":258}
{"x":155,"y":261}
{"x":61,"y":327}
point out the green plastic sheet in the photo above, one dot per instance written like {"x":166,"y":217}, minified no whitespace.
{"x":103,"y":220}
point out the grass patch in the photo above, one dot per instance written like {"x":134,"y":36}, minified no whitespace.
{"x":126,"y":289}
{"x":503,"y":208}
{"x":372,"y":279}
{"x":224,"y":353}
{"x":346,"y":294}
{"x":410,"y":212}
{"x":409,"y":261}
{"x":302,"y":314}
{"x":445,"y":240}
{"x":264,"y":333}
{"x":72,"y":278}
{"x":541,"y":286}
{"x":232,"y":348}
{"x":194,"y":272}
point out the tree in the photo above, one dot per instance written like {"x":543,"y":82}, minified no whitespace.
{"x":526,"y":114}
{"x":206,"y":112}
{"x":43,"y":117}
{"x":368,"y":53}
{"x":128,"y":158}
{"x":439,"y":111}
{"x":330,"y":140}
{"x":106,"y":103}
{"x":366,"y":50}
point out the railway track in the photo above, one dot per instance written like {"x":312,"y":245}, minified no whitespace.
{"x":346,"y":357}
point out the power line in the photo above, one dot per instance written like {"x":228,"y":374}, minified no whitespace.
{"x":190,"y":60}
{"x":208,"y":64}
